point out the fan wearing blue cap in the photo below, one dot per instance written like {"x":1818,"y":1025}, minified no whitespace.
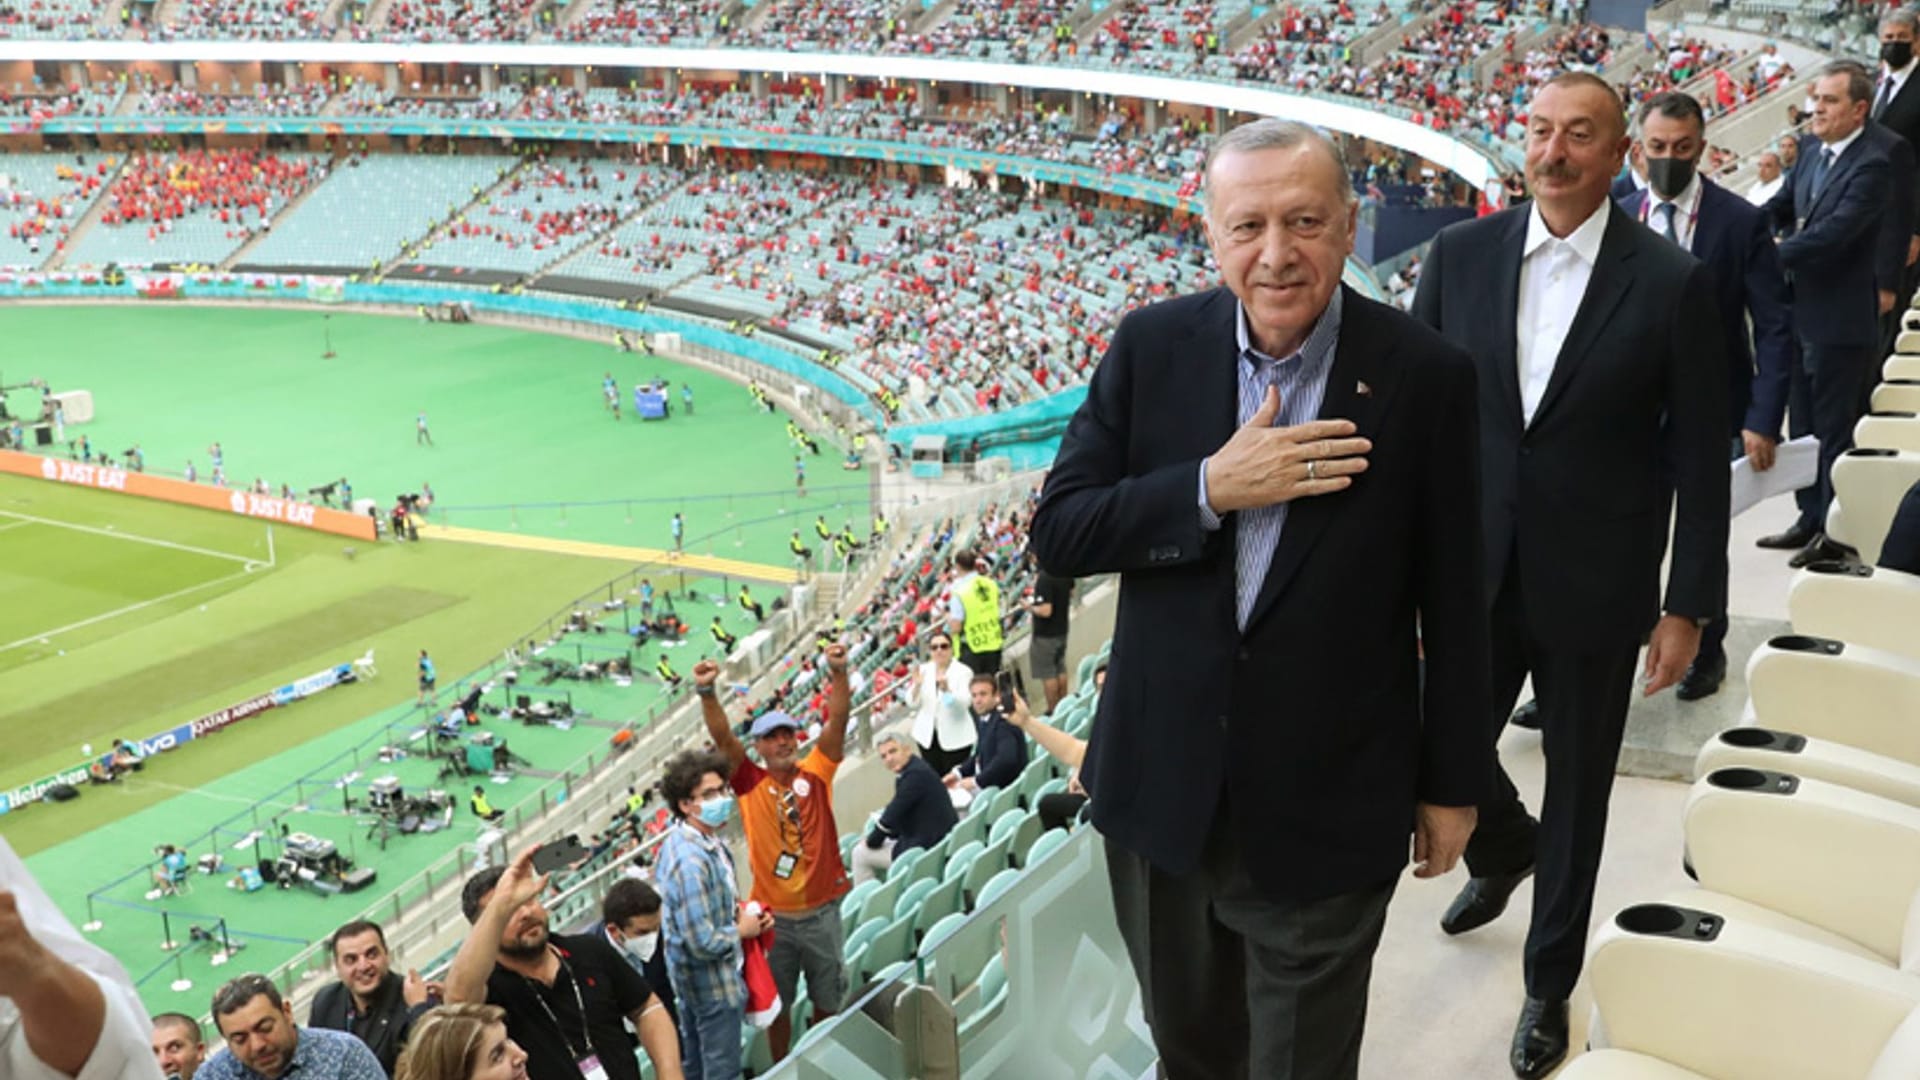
{"x":793,"y":843}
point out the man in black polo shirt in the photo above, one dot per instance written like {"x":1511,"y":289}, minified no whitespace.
{"x":565,"y":995}
{"x":1048,"y":603}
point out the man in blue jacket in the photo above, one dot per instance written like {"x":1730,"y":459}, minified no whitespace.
{"x":920,"y":815}
{"x":1000,"y":750}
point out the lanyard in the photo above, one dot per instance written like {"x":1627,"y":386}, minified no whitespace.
{"x":586,"y":1034}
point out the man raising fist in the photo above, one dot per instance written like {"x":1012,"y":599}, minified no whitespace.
{"x":793,"y":844}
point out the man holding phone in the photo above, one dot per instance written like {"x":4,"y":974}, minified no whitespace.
{"x":1000,"y":751}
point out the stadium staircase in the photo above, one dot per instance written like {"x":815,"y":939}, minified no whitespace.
{"x":934,"y":16}
{"x":259,"y":235}
{"x":87,"y":220}
{"x":109,"y":17}
{"x":377,"y":13}
{"x":336,"y":15}
{"x":164,"y":13}
{"x":412,"y":249}
{"x":601,"y":236}
{"x":568,"y":14}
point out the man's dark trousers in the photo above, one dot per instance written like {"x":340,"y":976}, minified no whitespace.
{"x":1583,"y":698}
{"x":1824,"y":400}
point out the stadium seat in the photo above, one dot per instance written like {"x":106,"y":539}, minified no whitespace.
{"x":1024,"y":835}
{"x":879,"y":902}
{"x":939,"y":932}
{"x":1005,"y":825}
{"x":997,"y":887}
{"x":1824,"y":863}
{"x":1037,"y":772}
{"x":902,"y":869}
{"x":1897,"y":395}
{"x":893,"y":943}
{"x":1814,"y":759}
{"x":1868,"y":485}
{"x":1901,"y":366}
{"x":971,"y":828}
{"x":856,"y":896}
{"x":1827,"y":689}
{"x":911,"y":896}
{"x":979,"y":1004}
{"x":989,"y":863}
{"x":962,"y":858}
{"x":945,"y":898}
{"x":1888,"y":431}
{"x":1869,"y":606}
{"x":865,"y":933}
{"x":1737,"y":1001}
{"x":1052,"y":787}
{"x":1044,"y":843}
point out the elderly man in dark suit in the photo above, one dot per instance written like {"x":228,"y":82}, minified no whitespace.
{"x":1842,"y":262}
{"x":1603,"y":402}
{"x":919,"y":815}
{"x":1732,"y":237}
{"x":1283,"y":473}
{"x":1896,"y":107}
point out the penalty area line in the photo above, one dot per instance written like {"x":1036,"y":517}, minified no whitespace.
{"x":26,"y":519}
{"x":117,"y":612}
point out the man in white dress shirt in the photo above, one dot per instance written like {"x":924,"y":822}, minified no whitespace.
{"x":67,"y":1009}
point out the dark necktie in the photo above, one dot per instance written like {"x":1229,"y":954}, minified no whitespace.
{"x":1885,"y":95}
{"x":1820,"y":170}
{"x":1665,"y":212}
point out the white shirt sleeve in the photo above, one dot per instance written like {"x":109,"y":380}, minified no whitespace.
{"x":123,"y":1051}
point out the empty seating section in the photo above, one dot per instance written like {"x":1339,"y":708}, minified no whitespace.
{"x":250,"y":20}
{"x":391,"y":200}
{"x":194,"y":207}
{"x":48,"y":18}
{"x":545,"y":211}
{"x":41,"y":197}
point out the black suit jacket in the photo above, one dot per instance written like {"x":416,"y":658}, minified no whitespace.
{"x":1732,"y":238}
{"x":1902,"y":118}
{"x":1578,"y":498}
{"x":1312,"y":721}
{"x":921,"y":812}
{"x":384,"y":1029}
{"x":1835,"y":250}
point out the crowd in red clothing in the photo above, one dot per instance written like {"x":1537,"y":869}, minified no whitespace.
{"x":457,"y":20}
{"x":239,"y":188}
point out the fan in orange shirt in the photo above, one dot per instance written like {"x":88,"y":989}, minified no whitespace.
{"x":793,"y":844}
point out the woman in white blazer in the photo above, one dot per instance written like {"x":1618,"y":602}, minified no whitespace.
{"x":942,"y":726}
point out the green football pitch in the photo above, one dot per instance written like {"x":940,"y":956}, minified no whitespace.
{"x":123,"y":618}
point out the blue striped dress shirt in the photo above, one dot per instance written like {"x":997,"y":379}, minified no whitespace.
{"x":1302,"y":381}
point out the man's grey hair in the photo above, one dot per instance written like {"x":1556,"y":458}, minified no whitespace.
{"x":1274,"y":133}
{"x":1859,"y":82}
{"x":1901,"y":17}
{"x":896,"y":737}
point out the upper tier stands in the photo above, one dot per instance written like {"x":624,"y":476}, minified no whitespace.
{"x":48,"y":18}
{"x":51,"y":103}
{"x":456,"y":20}
{"x":390,"y":199}
{"x":246,"y":20}
{"x":195,"y":206}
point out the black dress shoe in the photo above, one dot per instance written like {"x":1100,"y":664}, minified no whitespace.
{"x":1818,"y":549}
{"x":1481,"y":901}
{"x":1527,"y":715}
{"x":1540,"y":1038}
{"x":1798,"y":536}
{"x":1703,"y":679}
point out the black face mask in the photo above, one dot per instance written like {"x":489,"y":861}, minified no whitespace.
{"x":1669,"y":176}
{"x":1897,"y":54}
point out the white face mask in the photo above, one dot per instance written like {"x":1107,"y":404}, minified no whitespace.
{"x":641,"y":946}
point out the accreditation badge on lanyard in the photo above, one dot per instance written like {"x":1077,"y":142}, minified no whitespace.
{"x":584,"y":1057}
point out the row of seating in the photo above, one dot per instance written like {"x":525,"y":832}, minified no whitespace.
{"x":1798,"y":954}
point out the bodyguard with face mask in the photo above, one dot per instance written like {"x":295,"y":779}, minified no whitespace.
{"x":630,"y":919}
{"x":1731,"y":236}
{"x":1896,"y":107}
{"x":704,"y":924}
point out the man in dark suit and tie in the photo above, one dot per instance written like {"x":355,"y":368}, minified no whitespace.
{"x":1896,"y":107}
{"x":1733,"y":238}
{"x":1283,"y":473}
{"x":1839,"y":260}
{"x":1603,"y":406}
